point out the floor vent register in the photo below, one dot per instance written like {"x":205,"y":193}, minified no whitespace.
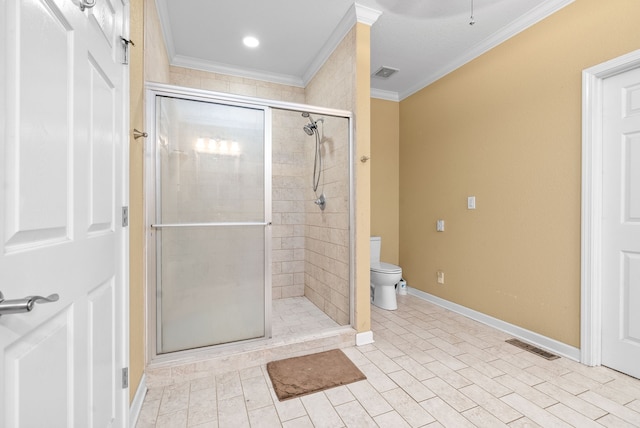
{"x":533,"y":349}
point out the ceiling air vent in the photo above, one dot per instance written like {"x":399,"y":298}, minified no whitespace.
{"x":384,"y":72}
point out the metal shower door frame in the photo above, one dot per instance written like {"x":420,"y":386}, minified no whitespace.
{"x":154,"y":299}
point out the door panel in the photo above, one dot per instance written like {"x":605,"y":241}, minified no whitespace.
{"x":621,"y":223}
{"x":211,"y":222}
{"x":62,"y":157}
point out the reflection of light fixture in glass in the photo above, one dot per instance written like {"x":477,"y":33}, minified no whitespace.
{"x":223,"y":147}
{"x":235,"y":148}
{"x":217,"y":146}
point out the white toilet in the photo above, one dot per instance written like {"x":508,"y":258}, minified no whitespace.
{"x":383,"y":278}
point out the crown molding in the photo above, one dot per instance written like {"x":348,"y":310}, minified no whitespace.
{"x":531,"y":18}
{"x":384,"y":95}
{"x":213,"y":67}
{"x":366,"y":15}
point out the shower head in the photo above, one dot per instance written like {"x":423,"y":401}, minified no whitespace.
{"x":308,"y":128}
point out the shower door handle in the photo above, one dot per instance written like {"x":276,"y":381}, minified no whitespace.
{"x":26,"y":304}
{"x":214,"y":224}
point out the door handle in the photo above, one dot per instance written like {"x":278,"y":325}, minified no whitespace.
{"x":26,"y":304}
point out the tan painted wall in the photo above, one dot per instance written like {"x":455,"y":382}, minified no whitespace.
{"x":507,"y":128}
{"x":137,"y":336}
{"x":362,"y":110}
{"x":385,"y":177}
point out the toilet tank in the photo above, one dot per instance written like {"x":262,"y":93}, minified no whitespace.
{"x":376,"y":241}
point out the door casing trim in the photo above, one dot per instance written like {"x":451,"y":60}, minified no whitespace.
{"x":591,"y":227}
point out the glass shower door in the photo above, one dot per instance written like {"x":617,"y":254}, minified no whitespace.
{"x":211,"y":223}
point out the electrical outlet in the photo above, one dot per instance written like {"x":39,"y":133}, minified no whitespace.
{"x":471,"y":203}
{"x":440,"y":226}
{"x":440,"y":277}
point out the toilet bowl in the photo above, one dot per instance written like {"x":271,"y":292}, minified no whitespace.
{"x":383,"y":278}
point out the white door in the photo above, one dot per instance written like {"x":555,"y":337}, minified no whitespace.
{"x":621,"y":223}
{"x":63,"y":110}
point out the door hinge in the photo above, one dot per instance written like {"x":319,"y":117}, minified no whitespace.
{"x":125,"y":378}
{"x":125,"y":47}
{"x":125,"y":216}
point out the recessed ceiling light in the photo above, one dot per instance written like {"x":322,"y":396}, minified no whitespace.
{"x":251,"y":41}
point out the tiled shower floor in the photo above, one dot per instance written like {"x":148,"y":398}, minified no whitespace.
{"x":297,"y":315}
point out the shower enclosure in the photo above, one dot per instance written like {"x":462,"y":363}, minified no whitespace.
{"x":235,"y":225}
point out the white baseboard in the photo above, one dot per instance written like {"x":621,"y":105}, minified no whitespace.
{"x":531,"y":337}
{"x":364,"y":338}
{"x":138,"y":399}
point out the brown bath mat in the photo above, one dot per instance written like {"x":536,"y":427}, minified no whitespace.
{"x":298,"y":376}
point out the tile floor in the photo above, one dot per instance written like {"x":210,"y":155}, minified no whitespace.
{"x":428,"y":367}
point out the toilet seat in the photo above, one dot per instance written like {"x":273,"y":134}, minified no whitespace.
{"x":382,"y":267}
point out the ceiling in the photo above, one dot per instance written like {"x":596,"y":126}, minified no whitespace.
{"x":423,"y":39}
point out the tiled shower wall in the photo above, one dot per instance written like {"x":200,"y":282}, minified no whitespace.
{"x":327,"y":232}
{"x":289,"y":145}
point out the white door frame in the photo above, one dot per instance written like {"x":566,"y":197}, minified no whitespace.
{"x":591,"y":254}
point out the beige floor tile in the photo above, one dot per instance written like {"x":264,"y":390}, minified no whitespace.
{"x":481,"y":365}
{"x":228,"y":385}
{"x":533,"y":412}
{"x":288,"y":409}
{"x":452,"y":377}
{"x":412,"y":386}
{"x":445,"y":414}
{"x":373,"y":402}
{"x":612,"y":421}
{"x":446,"y":359}
{"x":414,"y":368}
{"x":384,"y":363}
{"x":452,"y":396}
{"x":264,"y":417}
{"x":634,"y":405}
{"x":516,"y":372}
{"x":320,"y":411}
{"x":174,"y":399}
{"x":560,"y":381}
{"x":526,"y":391}
{"x":301,"y":422}
{"x":354,"y":415}
{"x":232,"y":413}
{"x":172,"y":420}
{"x":570,"y":416}
{"x":199,"y":415}
{"x":391,"y":420}
{"x":408,"y":408}
{"x":612,"y":407}
{"x":428,"y":368}
{"x":256,"y":392}
{"x":486,"y":383}
{"x":339,"y":395}
{"x":482,"y":418}
{"x":491,"y":404}
{"x":524,"y":423}
{"x":206,"y":382}
{"x":571,"y":401}
{"x":380,"y":381}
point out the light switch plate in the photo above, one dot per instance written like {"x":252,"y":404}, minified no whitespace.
{"x":471,"y":203}
{"x":440,"y":226}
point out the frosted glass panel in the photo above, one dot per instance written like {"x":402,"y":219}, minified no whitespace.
{"x":212,"y":286}
{"x":210,"y":171}
{"x":211,"y":162}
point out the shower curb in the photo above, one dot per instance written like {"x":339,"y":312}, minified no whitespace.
{"x":199,"y":364}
